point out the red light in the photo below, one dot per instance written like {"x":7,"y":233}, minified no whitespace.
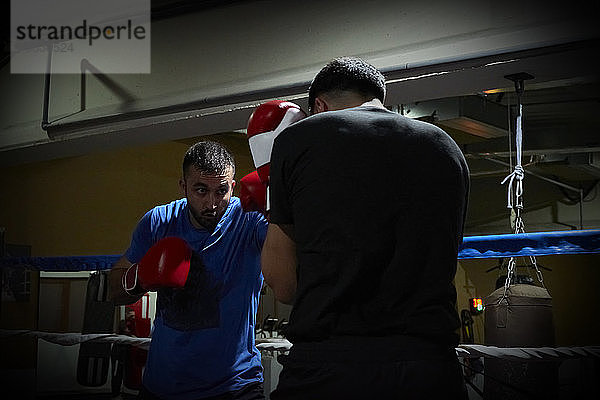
{"x":476,"y":305}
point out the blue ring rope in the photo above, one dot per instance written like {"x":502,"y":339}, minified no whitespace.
{"x":488,"y":246}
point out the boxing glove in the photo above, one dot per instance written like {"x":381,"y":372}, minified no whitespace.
{"x":266,"y":122}
{"x":166,"y":264}
{"x":253,"y":193}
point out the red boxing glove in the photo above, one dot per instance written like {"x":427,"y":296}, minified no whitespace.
{"x":265,"y":123}
{"x":253,"y":193}
{"x":166,"y":264}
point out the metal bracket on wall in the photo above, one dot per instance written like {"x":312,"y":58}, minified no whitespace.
{"x":85,"y":67}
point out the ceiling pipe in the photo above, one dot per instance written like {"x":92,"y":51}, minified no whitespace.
{"x":538,"y":152}
{"x":394,"y":74}
{"x":55,"y":130}
{"x":554,"y":182}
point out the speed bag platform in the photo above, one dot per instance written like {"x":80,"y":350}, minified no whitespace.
{"x":94,"y":358}
{"x":523,"y":318}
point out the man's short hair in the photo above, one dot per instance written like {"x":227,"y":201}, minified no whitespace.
{"x":209,"y":157}
{"x":348,"y":74}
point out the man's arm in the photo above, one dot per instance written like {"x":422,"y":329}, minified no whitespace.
{"x":165,"y":264}
{"x":279,"y":261}
{"x":117,"y":292}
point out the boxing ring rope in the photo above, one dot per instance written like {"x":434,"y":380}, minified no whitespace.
{"x":71,"y":339}
{"x":487,"y":246}
{"x":531,"y":244}
{"x":283,"y":345}
{"x":62,"y":264}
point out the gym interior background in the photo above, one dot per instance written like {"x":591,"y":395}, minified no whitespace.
{"x":79,"y":187}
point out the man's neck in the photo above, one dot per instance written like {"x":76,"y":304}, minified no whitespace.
{"x":198,"y":225}
{"x":352,"y":101}
{"x":193,"y":221}
{"x":373,"y":103}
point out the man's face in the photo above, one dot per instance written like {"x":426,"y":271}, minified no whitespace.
{"x":207,"y":196}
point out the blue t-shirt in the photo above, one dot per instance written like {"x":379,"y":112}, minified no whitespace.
{"x":203,"y":337}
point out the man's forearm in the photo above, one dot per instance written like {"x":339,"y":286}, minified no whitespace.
{"x":279,"y":263}
{"x":117,"y":292}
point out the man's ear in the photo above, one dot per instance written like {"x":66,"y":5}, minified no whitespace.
{"x":182,"y":186}
{"x":320,"y":105}
{"x":232,"y":184}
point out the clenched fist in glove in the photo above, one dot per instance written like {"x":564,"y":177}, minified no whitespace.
{"x":253,"y":193}
{"x":166,"y":264}
{"x":265,"y":123}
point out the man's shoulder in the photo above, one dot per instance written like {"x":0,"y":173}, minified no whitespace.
{"x":168,"y":211}
{"x":236,"y":213}
{"x":323,"y":118}
{"x":306,"y":129}
{"x":173,"y":205}
{"x":344,"y":116}
{"x":250,"y":217}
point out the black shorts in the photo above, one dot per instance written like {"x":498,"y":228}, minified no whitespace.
{"x":360,"y":368}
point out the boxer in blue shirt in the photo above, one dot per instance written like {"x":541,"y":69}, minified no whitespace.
{"x":203,"y":336}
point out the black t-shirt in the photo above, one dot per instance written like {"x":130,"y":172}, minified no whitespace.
{"x":378,"y":203}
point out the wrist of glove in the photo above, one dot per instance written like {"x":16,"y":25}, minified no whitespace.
{"x":266,"y":122}
{"x":165,"y":264}
{"x":130,"y":282}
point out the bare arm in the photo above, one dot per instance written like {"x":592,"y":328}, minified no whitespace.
{"x":279,"y":262}
{"x":117,"y":293}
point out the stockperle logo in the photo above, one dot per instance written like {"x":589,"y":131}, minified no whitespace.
{"x":63,"y":36}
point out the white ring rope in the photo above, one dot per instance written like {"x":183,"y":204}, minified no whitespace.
{"x":70,"y":339}
{"x":279,"y":344}
{"x":526,"y":353}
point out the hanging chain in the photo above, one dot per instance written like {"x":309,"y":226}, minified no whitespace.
{"x":538,"y":272}
{"x":509,"y":277}
{"x":515,"y":203}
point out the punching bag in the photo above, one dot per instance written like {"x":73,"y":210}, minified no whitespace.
{"x":521,"y":318}
{"x":94,"y":358}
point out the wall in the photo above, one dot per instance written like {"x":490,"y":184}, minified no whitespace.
{"x":89,"y":205}
{"x":572,"y":283}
